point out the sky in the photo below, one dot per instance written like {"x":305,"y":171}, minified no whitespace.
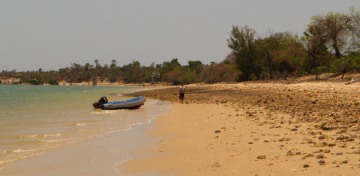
{"x":53,"y":34}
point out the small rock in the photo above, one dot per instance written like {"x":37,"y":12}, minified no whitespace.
{"x":319,"y":156}
{"x":309,"y":155}
{"x":339,"y":153}
{"x":343,"y":146}
{"x":250,"y":143}
{"x":223,"y":101}
{"x":345,"y":161}
{"x":261,"y":157}
{"x":306,"y":165}
{"x":321,"y":137}
{"x":326,"y":151}
{"x":321,"y":144}
{"x":340,"y":138}
{"x":327,"y":127}
{"x":321,"y":162}
{"x":216,"y":165}
{"x":217,"y":131}
{"x":331,"y":144}
{"x":289,"y":153}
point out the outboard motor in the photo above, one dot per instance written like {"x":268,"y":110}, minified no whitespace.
{"x":103,"y":100}
{"x":100,"y":103}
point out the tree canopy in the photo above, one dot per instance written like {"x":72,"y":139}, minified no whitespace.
{"x":330,"y":43}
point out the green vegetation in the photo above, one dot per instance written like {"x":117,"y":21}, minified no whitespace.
{"x":330,"y":43}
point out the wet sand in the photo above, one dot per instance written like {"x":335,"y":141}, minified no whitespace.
{"x":309,"y":128}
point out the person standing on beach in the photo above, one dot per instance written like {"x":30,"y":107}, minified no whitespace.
{"x":182,"y":93}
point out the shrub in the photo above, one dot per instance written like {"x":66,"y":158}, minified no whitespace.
{"x":347,"y":63}
{"x":175,"y":77}
{"x":53,"y":82}
{"x":35,"y":82}
{"x":218,"y":73}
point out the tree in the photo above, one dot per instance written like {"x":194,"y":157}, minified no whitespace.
{"x":283,"y":53}
{"x":316,"y":40}
{"x":151,"y":73}
{"x":338,"y":32}
{"x":113,"y":64}
{"x":218,"y":73}
{"x":170,"y":66}
{"x":242,"y":43}
{"x":195,"y":66}
{"x":133,"y":72}
{"x":97,"y":64}
{"x":76,"y":73}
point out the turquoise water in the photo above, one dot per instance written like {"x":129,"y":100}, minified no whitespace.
{"x":39,"y":119}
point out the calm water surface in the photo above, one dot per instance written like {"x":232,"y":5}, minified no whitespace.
{"x":37,"y":119}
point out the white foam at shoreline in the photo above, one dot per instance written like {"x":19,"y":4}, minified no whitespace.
{"x":107,"y":111}
{"x":80,"y":124}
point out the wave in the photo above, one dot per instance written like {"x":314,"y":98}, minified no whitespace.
{"x":20,"y":154}
{"x":97,"y":112}
{"x":58,"y":140}
{"x":19,"y":150}
{"x":80,"y":124}
{"x":31,"y":136}
{"x":52,"y":135}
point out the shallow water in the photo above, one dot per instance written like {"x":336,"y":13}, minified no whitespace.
{"x":39,"y":120}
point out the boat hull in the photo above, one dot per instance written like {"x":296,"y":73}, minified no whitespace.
{"x":134,"y":103}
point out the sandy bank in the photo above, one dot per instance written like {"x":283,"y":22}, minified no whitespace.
{"x":256,"y":129}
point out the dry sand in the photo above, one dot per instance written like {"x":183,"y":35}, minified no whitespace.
{"x":256,"y":129}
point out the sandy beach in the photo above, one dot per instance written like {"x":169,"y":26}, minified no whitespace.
{"x":308,"y":128}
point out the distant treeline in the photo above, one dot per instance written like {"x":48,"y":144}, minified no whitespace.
{"x":330,"y":43}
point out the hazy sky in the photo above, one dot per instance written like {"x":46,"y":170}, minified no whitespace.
{"x":52,"y":34}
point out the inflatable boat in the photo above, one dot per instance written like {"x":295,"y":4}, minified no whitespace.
{"x":125,"y":104}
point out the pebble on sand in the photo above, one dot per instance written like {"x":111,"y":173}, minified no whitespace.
{"x":319,"y":156}
{"x":216,"y":165}
{"x":261,"y":157}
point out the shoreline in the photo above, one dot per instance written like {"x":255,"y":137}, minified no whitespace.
{"x":324,"y":77}
{"x":256,"y":129}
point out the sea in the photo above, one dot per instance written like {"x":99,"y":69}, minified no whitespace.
{"x":54,"y":130}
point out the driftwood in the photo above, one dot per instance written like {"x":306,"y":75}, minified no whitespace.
{"x":351,"y":81}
